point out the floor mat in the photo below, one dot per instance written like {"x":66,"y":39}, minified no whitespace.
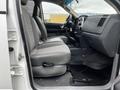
{"x":78,"y":75}
{"x":90,"y":58}
{"x":64,"y":80}
{"x":83,"y":76}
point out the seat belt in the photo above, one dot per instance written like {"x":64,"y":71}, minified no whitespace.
{"x":35,"y":10}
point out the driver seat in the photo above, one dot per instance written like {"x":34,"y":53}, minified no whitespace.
{"x":42,"y":28}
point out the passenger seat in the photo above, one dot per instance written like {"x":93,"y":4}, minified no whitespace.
{"x":48,"y":60}
{"x":43,"y":29}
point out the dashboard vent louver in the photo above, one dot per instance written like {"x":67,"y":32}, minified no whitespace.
{"x":101,"y":22}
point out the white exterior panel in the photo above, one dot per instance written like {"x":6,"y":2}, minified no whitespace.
{"x":5,"y":77}
{"x":3,"y":7}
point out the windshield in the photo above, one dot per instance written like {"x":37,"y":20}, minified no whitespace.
{"x":91,"y":7}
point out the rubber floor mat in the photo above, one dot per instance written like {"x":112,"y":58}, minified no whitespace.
{"x":64,"y":80}
{"x":83,"y":76}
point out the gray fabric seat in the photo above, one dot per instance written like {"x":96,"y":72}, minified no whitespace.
{"x":44,"y":35}
{"x":63,"y":38}
{"x":50,"y":61}
{"x":56,"y":55}
{"x":48,"y":58}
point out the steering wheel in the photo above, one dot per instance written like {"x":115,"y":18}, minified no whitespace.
{"x":72,"y":26}
{"x":69,"y":23}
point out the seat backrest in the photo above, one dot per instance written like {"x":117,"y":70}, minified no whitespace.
{"x":32,"y":32}
{"x":42,"y":28}
{"x":40,"y":23}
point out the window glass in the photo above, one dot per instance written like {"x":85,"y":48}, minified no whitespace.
{"x":54,"y":13}
{"x":92,"y":7}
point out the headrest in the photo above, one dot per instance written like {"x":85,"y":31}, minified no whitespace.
{"x":24,"y":2}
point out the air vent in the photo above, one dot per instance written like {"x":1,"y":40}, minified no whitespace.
{"x":101,"y":22}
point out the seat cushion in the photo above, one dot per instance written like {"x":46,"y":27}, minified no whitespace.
{"x":58,"y":38}
{"x":49,"y":44}
{"x":54,"y":39}
{"x":40,"y":71}
{"x":56,"y":55}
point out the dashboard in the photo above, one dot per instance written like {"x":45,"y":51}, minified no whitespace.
{"x":103,"y":33}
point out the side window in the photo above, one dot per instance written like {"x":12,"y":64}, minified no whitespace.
{"x":54,"y":13}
